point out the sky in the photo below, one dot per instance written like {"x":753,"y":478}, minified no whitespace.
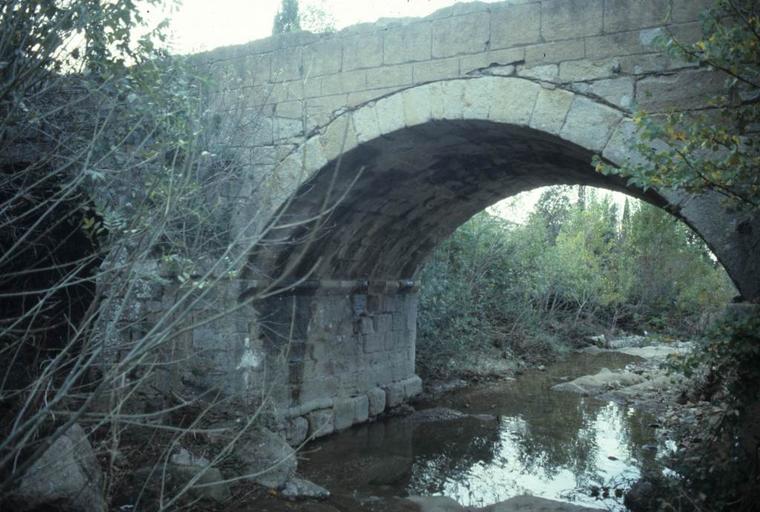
{"x":199,"y":25}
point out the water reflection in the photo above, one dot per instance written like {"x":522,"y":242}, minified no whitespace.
{"x":545,"y":443}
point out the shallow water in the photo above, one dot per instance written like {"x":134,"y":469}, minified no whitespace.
{"x":541,"y":442}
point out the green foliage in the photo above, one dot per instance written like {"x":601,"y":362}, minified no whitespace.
{"x":287,"y":18}
{"x":573,"y":269}
{"x":717,"y":149}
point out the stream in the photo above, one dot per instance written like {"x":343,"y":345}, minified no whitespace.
{"x":526,"y":439}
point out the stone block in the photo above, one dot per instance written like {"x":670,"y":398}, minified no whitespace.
{"x":383,"y":322}
{"x":366,"y":325}
{"x":551,"y":108}
{"x":345,"y":411}
{"x":460,"y":34}
{"x":408,"y":43}
{"x":618,"y":91}
{"x":321,"y":422}
{"x":366,"y":124}
{"x":255,"y":69}
{"x":689,"y":10}
{"x":552,"y":53}
{"x":313,"y":156}
{"x":373,"y":342}
{"x":438,"y":69}
{"x":345,"y":82}
{"x":389,"y":76}
{"x":286,"y":128}
{"x":684,"y":90}
{"x":363,"y":51}
{"x":447,"y":104}
{"x":589,"y":124}
{"x":478,"y":98}
{"x":361,"y":409}
{"x":416,"y":102}
{"x":546,"y":72}
{"x":339,"y":137}
{"x":616,"y":44}
{"x":513,"y":100}
{"x":565,"y":19}
{"x":620,"y":148}
{"x":412,"y":386}
{"x":394,"y":394}
{"x":322,"y":58}
{"x":286,"y":65}
{"x":651,"y":63}
{"x":515,"y":24}
{"x":376,"y":401}
{"x":296,"y":430}
{"x":620,"y":15}
{"x":583,"y":70}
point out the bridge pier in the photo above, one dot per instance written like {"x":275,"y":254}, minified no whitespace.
{"x":340,"y":352}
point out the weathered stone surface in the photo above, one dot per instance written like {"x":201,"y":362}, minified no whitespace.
{"x":407,"y":44}
{"x":516,"y":100}
{"x":565,"y":19}
{"x":605,"y":380}
{"x":296,"y":430}
{"x":460,"y":34}
{"x":67,"y":476}
{"x":321,"y":422}
{"x":551,"y":108}
{"x":438,"y":69}
{"x":684,"y":90}
{"x":267,"y":458}
{"x":394,"y":394}
{"x":622,"y":15}
{"x":589,"y":124}
{"x":515,"y":24}
{"x":323,"y":58}
{"x":376,"y":399}
{"x":618,"y":91}
{"x":363,"y":51}
{"x":412,"y":387}
{"x":552,"y":53}
{"x":344,"y":413}
{"x":300,"y":488}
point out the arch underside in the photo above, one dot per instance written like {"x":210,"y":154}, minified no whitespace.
{"x":414,"y":187}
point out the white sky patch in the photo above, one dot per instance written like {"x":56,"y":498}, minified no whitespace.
{"x":199,"y":25}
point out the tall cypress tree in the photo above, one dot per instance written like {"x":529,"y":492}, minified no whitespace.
{"x":287,"y":18}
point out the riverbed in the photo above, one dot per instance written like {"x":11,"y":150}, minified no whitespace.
{"x":517,"y":437}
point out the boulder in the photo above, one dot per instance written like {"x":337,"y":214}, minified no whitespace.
{"x":266,"y":458}
{"x":173,"y":477}
{"x":605,"y":380}
{"x":300,"y":488}
{"x":66,"y":477}
{"x":436,"y":504}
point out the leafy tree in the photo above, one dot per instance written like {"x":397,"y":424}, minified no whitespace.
{"x":553,"y":207}
{"x":717,"y":149}
{"x":287,"y":18}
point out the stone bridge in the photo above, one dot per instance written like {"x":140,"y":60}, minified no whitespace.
{"x":368,"y":147}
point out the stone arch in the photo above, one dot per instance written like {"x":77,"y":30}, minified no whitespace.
{"x":433,"y":155}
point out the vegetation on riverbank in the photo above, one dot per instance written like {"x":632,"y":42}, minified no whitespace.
{"x":578,"y":267}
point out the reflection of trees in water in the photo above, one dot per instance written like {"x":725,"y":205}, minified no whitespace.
{"x":553,"y":438}
{"x":447,"y":450}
